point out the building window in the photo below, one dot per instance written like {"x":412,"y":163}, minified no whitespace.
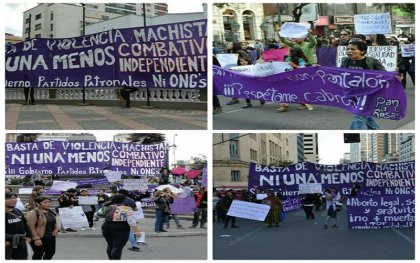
{"x":38,"y":16}
{"x":51,"y":36}
{"x":27,"y":20}
{"x":27,"y":30}
{"x":51,"y":27}
{"x":234,"y":149}
{"x":38,"y":27}
{"x":51,"y":16}
{"x":235,"y":176}
{"x":253,"y":154}
{"x":37,"y":35}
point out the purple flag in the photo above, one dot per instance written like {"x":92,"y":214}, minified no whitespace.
{"x":362,"y":92}
{"x":374,"y":178}
{"x":162,"y":56}
{"x":292,"y":204}
{"x":395,"y":211}
{"x":183,"y":205}
{"x":327,"y":56}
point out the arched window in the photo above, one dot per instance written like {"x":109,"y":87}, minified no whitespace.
{"x":248,"y":18}
{"x":229,"y":24}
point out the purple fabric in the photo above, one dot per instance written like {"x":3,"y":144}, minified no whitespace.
{"x":84,"y":158}
{"x":375,"y":179}
{"x":327,"y":56}
{"x":361,"y":92}
{"x":395,"y":211}
{"x":204,"y":177}
{"x":292,"y":204}
{"x":162,"y":56}
{"x":183,"y":205}
{"x":94,"y":182}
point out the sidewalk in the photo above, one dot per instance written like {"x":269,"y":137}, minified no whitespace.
{"x":408,"y":126}
{"x":72,"y":117}
{"x":145,"y":225}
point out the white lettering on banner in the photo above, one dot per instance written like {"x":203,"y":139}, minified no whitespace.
{"x":381,"y":108}
{"x":311,"y":188}
{"x":262,"y":70}
{"x":248,"y":210}
{"x":368,"y":24}
{"x":387,"y":55}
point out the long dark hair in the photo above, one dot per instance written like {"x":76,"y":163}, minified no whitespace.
{"x":295,"y":54}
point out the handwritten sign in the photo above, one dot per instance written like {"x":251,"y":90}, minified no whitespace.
{"x":88,"y":200}
{"x":262,"y":70}
{"x":248,"y":210}
{"x":113,"y":176}
{"x":227,"y":60}
{"x":73,"y":217}
{"x":261,"y":196}
{"x":310,"y":188}
{"x":135,"y":184}
{"x":139,"y":214}
{"x":408,"y":50}
{"x":292,"y":204}
{"x":387,"y":55}
{"x":25,"y":191}
{"x":369,"y":24}
{"x":62,"y":185}
{"x":294,"y":30}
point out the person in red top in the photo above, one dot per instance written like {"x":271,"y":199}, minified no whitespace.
{"x":201,"y":203}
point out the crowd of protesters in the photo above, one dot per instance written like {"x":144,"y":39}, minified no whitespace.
{"x":38,"y":227}
{"x":303,"y":53}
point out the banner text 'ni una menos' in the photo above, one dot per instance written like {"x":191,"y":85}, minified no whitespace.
{"x":362,"y":92}
{"x":162,"y":56}
{"x":84,"y":158}
{"x":374,"y":178}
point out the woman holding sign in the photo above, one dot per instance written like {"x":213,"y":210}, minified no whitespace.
{"x":357,"y":59}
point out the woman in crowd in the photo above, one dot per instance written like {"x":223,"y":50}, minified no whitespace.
{"x":38,"y":190}
{"x":163,"y":201}
{"x":225,"y":204}
{"x":116,"y":228}
{"x":89,"y":211}
{"x":43,"y":225}
{"x":308,"y":202}
{"x":276,"y":206}
{"x":332,"y":197}
{"x":296,"y":59}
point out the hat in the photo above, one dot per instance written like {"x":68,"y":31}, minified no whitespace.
{"x":117,"y":198}
{"x":10,"y":195}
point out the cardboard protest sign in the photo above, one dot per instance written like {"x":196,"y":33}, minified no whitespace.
{"x":163,"y":56}
{"x":370,"y":24}
{"x":262,"y":70}
{"x":113,"y":176}
{"x":312,"y":188}
{"x":292,"y":204}
{"x":88,"y":200}
{"x":387,"y":55}
{"x":135,"y":184}
{"x":294,"y":30}
{"x":248,"y":210}
{"x":139,"y":214}
{"x":408,"y":50}
{"x":25,"y":191}
{"x":62,"y":185}
{"x":227,"y":60}
{"x":73,"y":217}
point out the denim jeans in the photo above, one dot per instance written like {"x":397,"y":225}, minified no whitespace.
{"x":160,"y":219}
{"x":361,"y":122}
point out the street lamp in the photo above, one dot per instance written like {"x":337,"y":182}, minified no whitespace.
{"x":173,"y":149}
{"x":235,"y":28}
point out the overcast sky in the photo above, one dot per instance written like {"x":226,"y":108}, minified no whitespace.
{"x":332,"y":147}
{"x":13,"y":13}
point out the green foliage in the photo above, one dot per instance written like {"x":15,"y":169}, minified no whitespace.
{"x":199,"y":162}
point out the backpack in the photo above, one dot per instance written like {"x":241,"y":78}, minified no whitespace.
{"x":116,"y":213}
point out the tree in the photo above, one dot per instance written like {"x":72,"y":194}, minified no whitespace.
{"x":199,"y":162}
{"x":403,"y":10}
{"x":27,"y":137}
{"x":297,"y":12}
{"x":146,"y":138}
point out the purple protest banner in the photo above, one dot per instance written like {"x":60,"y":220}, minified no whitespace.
{"x":362,"y":92}
{"x":326,"y":56}
{"x":94,"y":182}
{"x":183,"y":205}
{"x":374,"y":178}
{"x":163,"y":56}
{"x":84,"y":158}
{"x":204,"y":177}
{"x":292,"y":204}
{"x":394,"y":211}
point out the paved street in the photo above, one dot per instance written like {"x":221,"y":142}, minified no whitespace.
{"x":71,"y":117}
{"x":175,"y":244}
{"x":322,"y":118}
{"x":298,"y":238}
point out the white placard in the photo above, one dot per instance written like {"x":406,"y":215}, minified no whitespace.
{"x":113,"y":176}
{"x":139,"y":213}
{"x":408,"y":50}
{"x":261,"y":196}
{"x":262,"y":70}
{"x":294,"y":30}
{"x":370,"y":24}
{"x":227,"y":60}
{"x":387,"y":55}
{"x":62,"y":185}
{"x":73,"y":217}
{"x":310,"y":188}
{"x":135,"y":184}
{"x":248,"y":210}
{"x":25,"y":191}
{"x":88,"y":200}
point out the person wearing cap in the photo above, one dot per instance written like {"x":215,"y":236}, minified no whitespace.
{"x":68,"y":199}
{"x":89,"y":211}
{"x":201,"y":203}
{"x":43,"y":225}
{"x":119,"y":220}
{"x":17,"y":230}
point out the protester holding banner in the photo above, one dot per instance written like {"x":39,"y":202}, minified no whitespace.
{"x":17,"y":230}
{"x":119,"y":220}
{"x":89,"y":210}
{"x":68,"y":199}
{"x":332,"y":197}
{"x":296,"y":59}
{"x":38,"y":190}
{"x":276,"y":207}
{"x":43,"y":225}
{"x":245,"y":62}
{"x":225,"y":204}
{"x":357,"y":59}
{"x":308,"y":48}
{"x":308,"y":202}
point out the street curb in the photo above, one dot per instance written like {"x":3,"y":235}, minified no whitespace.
{"x":148,"y":235}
